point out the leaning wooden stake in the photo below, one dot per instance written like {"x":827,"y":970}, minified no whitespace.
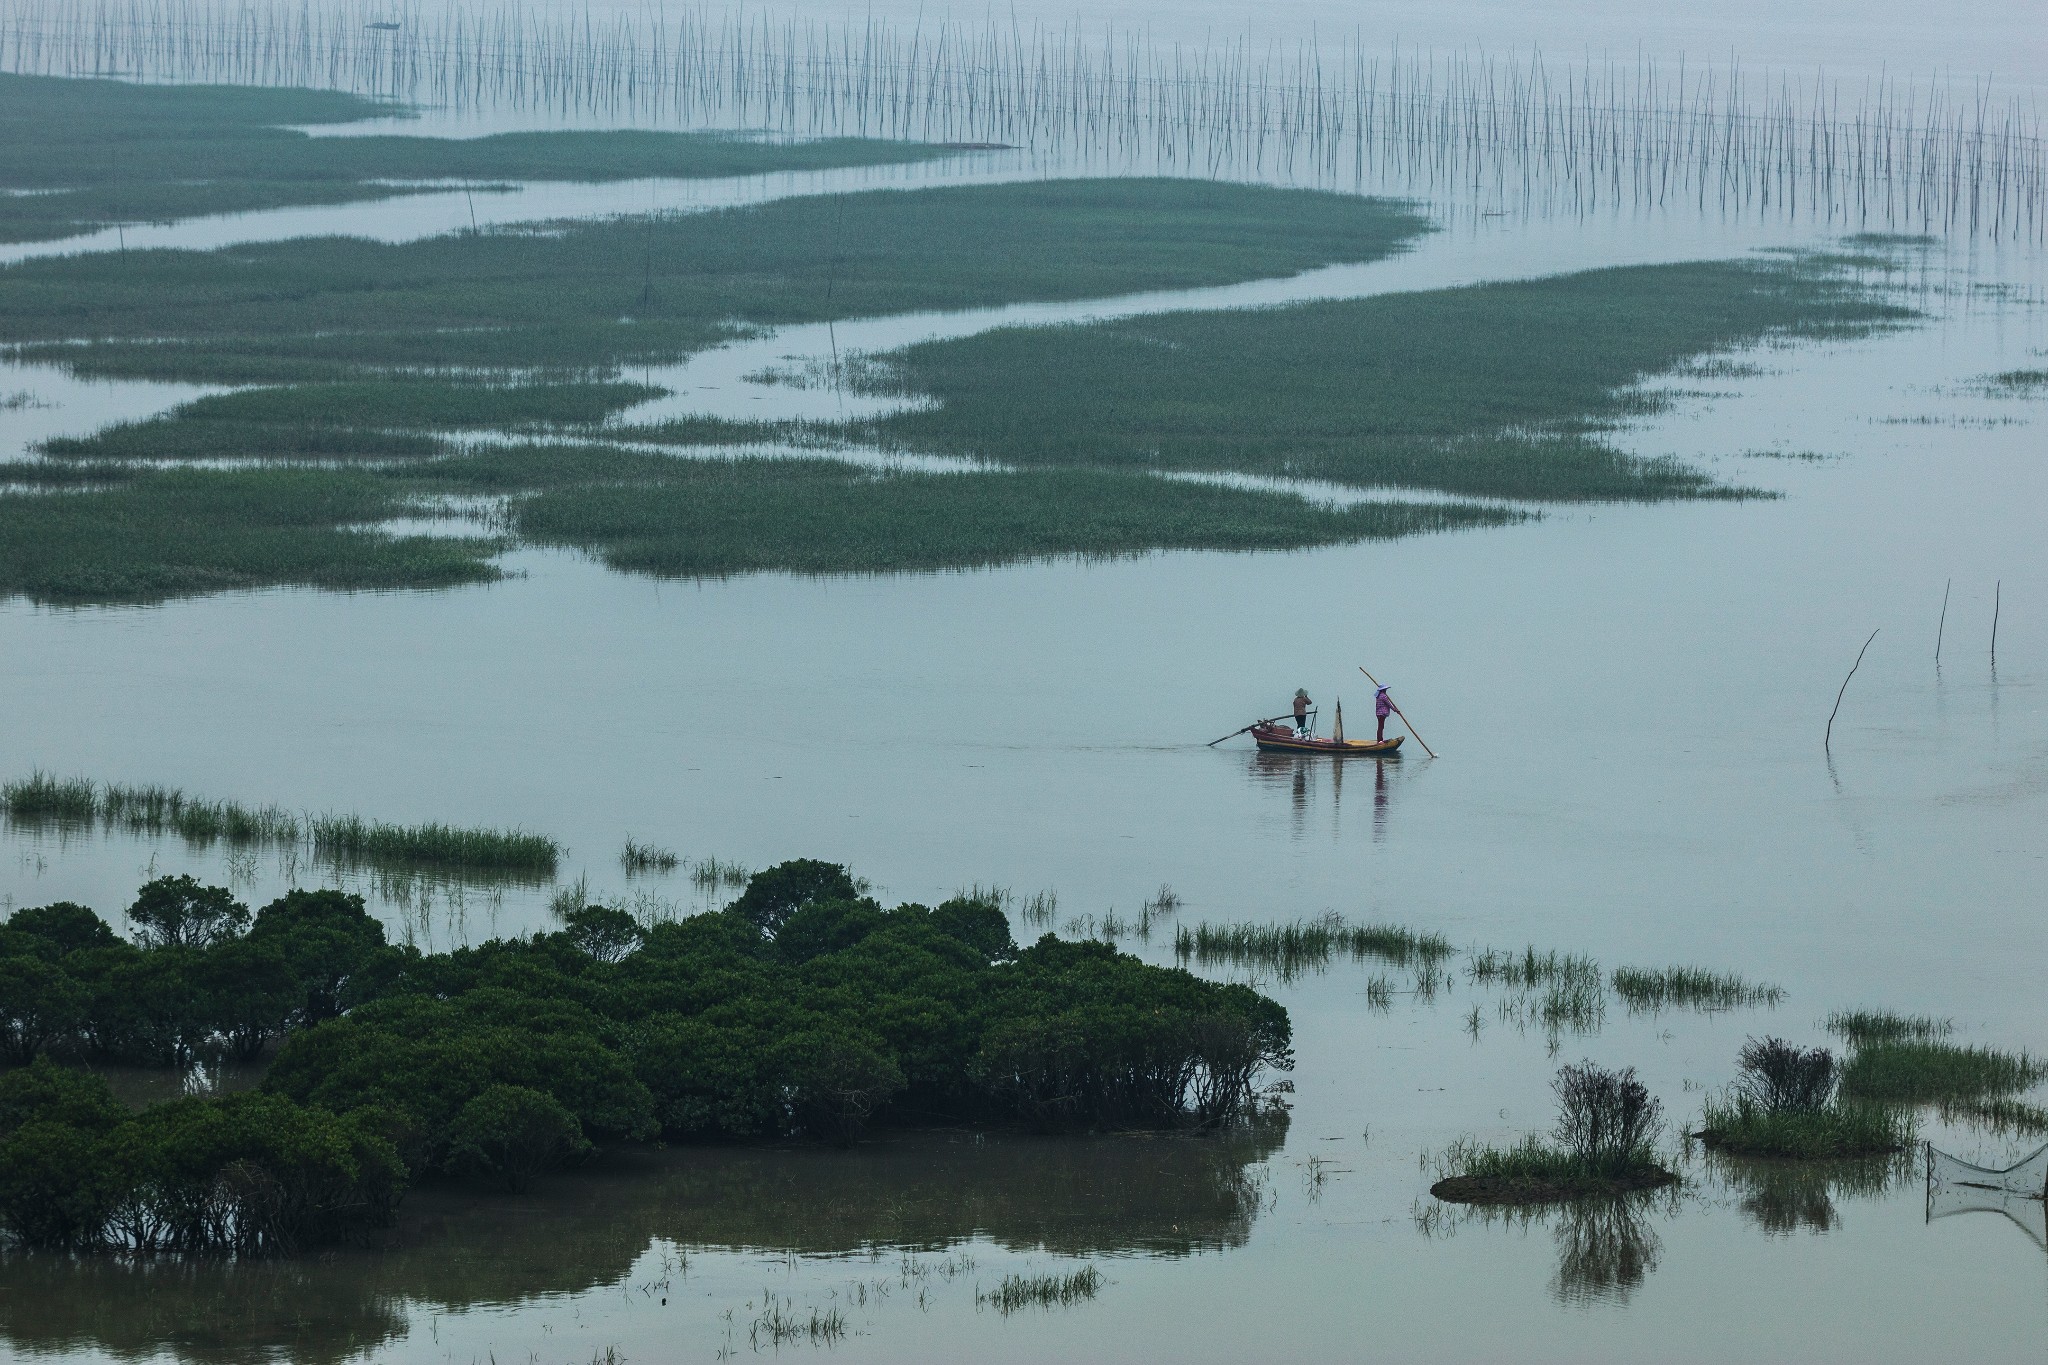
{"x":1402,"y":714}
{"x":1943,"y":625}
{"x":1828,"y":741}
{"x":1996,"y":593}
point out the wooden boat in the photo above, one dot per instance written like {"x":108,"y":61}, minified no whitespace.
{"x":1281,"y":739}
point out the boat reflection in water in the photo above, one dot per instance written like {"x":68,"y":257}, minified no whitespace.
{"x":1307,"y":779}
{"x":1167,"y":1196}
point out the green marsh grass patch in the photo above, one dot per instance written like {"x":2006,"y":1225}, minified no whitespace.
{"x":1920,"y":1072}
{"x":106,"y":152}
{"x":1844,"y":1128}
{"x":174,"y":533}
{"x":1497,"y":390}
{"x":594,"y":294}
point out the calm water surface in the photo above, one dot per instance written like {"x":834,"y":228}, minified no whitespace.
{"x":1629,"y":703}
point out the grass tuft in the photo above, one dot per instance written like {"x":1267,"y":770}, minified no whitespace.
{"x":349,"y":838}
{"x":1018,"y":1292}
{"x":639,"y":857}
{"x":1307,"y":944}
{"x":1860,"y":1027}
{"x":40,"y":799}
{"x":1647,"y":992}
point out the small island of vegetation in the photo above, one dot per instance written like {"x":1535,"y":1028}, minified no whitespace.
{"x":1788,"y":1103}
{"x":1607,"y":1126}
{"x":805,"y":1010}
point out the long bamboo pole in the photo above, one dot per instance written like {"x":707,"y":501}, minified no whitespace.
{"x":1253,"y":726}
{"x":1402,"y":714}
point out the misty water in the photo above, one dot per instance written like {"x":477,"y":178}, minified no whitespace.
{"x":1629,"y":705}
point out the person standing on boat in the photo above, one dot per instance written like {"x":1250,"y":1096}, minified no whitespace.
{"x":1301,"y":705}
{"x":1382,"y":707}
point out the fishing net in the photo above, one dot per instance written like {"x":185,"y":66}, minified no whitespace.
{"x":2025,"y":1179}
{"x":1956,"y":1186}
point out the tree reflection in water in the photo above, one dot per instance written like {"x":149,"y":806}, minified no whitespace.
{"x":1606,"y":1248}
{"x":1164,"y":1196}
{"x":1782,"y":1197}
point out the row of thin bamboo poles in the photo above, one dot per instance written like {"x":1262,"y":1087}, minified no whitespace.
{"x":1889,"y":154}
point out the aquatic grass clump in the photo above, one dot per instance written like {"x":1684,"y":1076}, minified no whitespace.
{"x":45,"y":797}
{"x":1307,"y":944}
{"x":639,"y":857}
{"x":1018,"y":1292}
{"x":1647,"y":992}
{"x":143,"y":809}
{"x":1912,"y":1072}
{"x":1863,"y":1026}
{"x":1530,"y":968}
{"x":712,"y":873}
{"x":350,"y":838}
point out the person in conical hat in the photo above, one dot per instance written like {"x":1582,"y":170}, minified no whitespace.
{"x":1382,"y":706}
{"x":1301,"y":705}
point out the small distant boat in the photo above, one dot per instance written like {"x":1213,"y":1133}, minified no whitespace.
{"x":1281,"y":739}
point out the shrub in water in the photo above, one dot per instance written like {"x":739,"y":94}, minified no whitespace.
{"x":1606,"y":1119}
{"x":1781,"y":1076}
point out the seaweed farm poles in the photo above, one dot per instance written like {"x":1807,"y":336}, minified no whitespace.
{"x":1889,"y":154}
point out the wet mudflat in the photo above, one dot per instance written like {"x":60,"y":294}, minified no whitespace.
{"x":1629,"y":700}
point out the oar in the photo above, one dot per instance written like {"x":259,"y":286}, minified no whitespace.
{"x":1402,"y":714}
{"x":1235,"y":733}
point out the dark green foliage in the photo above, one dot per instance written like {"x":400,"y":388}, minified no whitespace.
{"x":247,"y":1174}
{"x":509,"y":1135}
{"x":606,"y":934}
{"x":197,"y":985}
{"x":806,"y":1009}
{"x":1495,"y":390}
{"x":332,"y":947}
{"x":121,"y":152}
{"x":65,"y":926}
{"x":177,"y":912}
{"x":773,"y":896}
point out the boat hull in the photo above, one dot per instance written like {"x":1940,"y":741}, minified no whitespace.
{"x":1280,"y":739}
